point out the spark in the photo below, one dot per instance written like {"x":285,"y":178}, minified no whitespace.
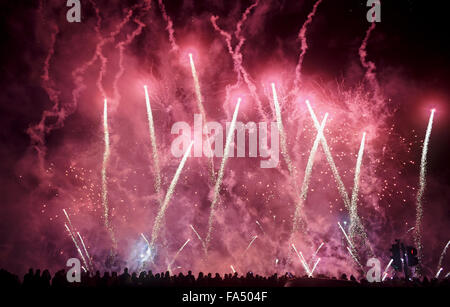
{"x":154,"y":147}
{"x":307,"y":176}
{"x":250,"y":244}
{"x":169,"y":193}
{"x":438,"y":273}
{"x":302,"y":260}
{"x":384,"y":276}
{"x":410,"y":229}
{"x":420,"y":192}
{"x":444,"y":251}
{"x":314,"y":267}
{"x":221,"y":172}
{"x":76,"y":245}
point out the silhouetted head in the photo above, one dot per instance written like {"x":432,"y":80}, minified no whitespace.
{"x":125,"y":270}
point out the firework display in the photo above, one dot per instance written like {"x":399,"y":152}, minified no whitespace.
{"x":144,"y":127}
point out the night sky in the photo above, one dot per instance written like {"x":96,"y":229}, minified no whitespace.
{"x":54,"y":164}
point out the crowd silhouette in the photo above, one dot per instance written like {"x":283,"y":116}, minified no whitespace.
{"x":34,"y":279}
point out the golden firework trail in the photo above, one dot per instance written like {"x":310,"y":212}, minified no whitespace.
{"x":329,"y":158}
{"x":221,"y":172}
{"x":250,"y":244}
{"x":345,"y":234}
{"x":354,"y":258}
{"x":257,"y":223}
{"x":232,"y":268}
{"x":334,"y":170}
{"x":307,"y":177}
{"x":201,"y":108}
{"x":438,"y":272}
{"x":76,"y":245}
{"x":68,"y":219}
{"x":444,"y":251}
{"x":302,"y":260}
{"x":420,"y":192}
{"x":314,"y":267}
{"x":85,"y":250}
{"x":177,"y":253}
{"x":200,"y":238}
{"x":169,"y":193}
{"x":284,"y":151}
{"x":317,"y":250}
{"x":388,"y":266}
{"x":354,"y":222}
{"x":154,"y":147}
{"x":106,"y":154}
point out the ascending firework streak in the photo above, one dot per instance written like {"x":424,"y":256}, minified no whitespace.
{"x":284,"y":151}
{"x":260,"y":227}
{"x":420,"y":192}
{"x":329,"y":157}
{"x":337,"y":177}
{"x":198,"y":94}
{"x":230,"y":136}
{"x":444,"y":251}
{"x":384,"y":276}
{"x":177,"y":253}
{"x":314,"y":267}
{"x":387,"y":267}
{"x":317,"y":250}
{"x":354,"y":201}
{"x":307,"y":176}
{"x":200,"y":238}
{"x":232,"y":268}
{"x":250,"y":244}
{"x":71,"y":231}
{"x":302,"y":260}
{"x":85,"y":250}
{"x":154,"y":148}
{"x":438,"y":273}
{"x":354,"y":258}
{"x":68,"y":219}
{"x":76,"y":245}
{"x":104,"y":166}
{"x":169,"y":193}
{"x":345,"y":234}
